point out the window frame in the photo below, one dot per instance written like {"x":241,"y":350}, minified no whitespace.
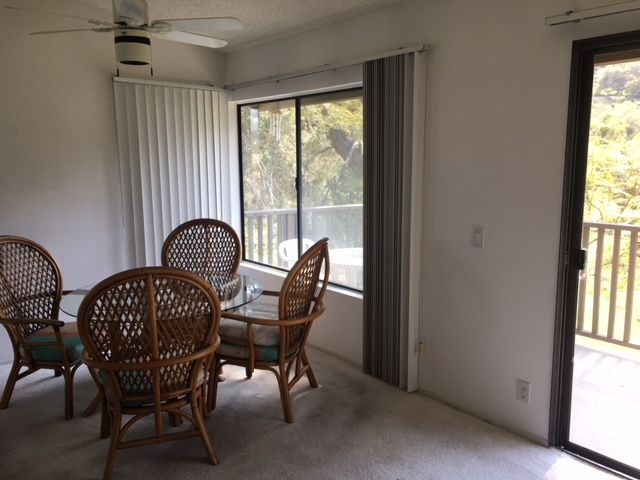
{"x":299,"y":101}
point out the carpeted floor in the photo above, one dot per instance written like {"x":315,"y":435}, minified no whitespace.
{"x":352,"y":427}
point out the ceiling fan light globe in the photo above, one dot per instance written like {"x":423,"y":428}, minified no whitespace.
{"x":133,"y":47}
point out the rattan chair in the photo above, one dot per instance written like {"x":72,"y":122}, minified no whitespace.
{"x":150,"y":335}
{"x":30,"y":292}
{"x":204,"y":246}
{"x":273,"y":337}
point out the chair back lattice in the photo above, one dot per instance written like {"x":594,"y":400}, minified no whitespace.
{"x":303,"y":289}
{"x":30,"y":282}
{"x":204,"y":246}
{"x":147,"y":325}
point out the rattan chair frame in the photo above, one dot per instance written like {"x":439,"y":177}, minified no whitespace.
{"x":150,"y":335}
{"x":300,"y":302}
{"x":30,"y":293}
{"x":205,"y":246}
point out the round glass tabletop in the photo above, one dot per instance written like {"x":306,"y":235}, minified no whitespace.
{"x":234,"y":290}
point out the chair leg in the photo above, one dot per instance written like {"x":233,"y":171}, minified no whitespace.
{"x":285,"y":396}
{"x":93,"y":406}
{"x":310,"y":375}
{"x":106,"y":420}
{"x":175,"y":420}
{"x":11,"y":382}
{"x":212,"y":388}
{"x":202,"y":401}
{"x":68,"y":392}
{"x":113,"y":446}
{"x":196,"y":411}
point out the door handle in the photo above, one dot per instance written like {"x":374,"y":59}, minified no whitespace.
{"x":581,"y":259}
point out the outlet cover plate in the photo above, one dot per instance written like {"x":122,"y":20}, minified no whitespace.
{"x":524,"y":391}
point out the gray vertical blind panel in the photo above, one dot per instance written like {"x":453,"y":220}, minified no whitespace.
{"x":385,"y":230}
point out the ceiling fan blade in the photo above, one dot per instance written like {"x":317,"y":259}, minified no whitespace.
{"x":204,"y":25}
{"x":191,"y":38}
{"x":90,"y":20}
{"x":131,"y":12}
{"x":46,"y":32}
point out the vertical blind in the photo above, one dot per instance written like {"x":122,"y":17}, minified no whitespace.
{"x":170,"y":161}
{"x":394,"y":111}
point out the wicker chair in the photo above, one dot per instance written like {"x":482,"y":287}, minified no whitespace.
{"x":204,"y":246}
{"x":150,"y":335}
{"x":273,"y":337}
{"x":30,"y":292}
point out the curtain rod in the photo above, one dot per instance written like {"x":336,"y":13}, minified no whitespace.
{"x":324,"y":68}
{"x":577,"y":16}
{"x":166,"y":84}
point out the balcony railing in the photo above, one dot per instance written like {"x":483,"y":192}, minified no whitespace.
{"x":265,"y":230}
{"x":607,"y":298}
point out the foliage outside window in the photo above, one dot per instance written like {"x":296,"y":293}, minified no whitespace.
{"x":302,"y":180}
{"x":613,"y":178}
{"x":612,"y":200}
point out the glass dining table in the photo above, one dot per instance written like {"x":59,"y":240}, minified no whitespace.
{"x":234,"y":290}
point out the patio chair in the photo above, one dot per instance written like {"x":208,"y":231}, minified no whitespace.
{"x":30,"y":292}
{"x":288,"y":250}
{"x":273,"y":337}
{"x":150,"y":335}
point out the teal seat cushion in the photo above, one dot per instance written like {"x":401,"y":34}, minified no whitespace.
{"x":266,"y":339}
{"x":262,"y":353}
{"x":51,"y":353}
{"x":126,"y":403}
{"x":130,"y":385}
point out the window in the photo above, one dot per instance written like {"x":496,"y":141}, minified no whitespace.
{"x":301,"y":161}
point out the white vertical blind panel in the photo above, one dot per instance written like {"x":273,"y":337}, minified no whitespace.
{"x":418,"y":166}
{"x":168,"y":140}
{"x":216,"y":160}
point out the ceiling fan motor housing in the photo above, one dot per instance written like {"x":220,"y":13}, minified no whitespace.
{"x":133,"y":47}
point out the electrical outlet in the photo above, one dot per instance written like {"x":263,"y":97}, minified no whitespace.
{"x":524,"y":391}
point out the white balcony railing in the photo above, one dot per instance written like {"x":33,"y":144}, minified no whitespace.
{"x":265,"y":230}
{"x":607,"y":298}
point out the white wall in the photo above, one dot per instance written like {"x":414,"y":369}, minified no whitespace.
{"x":497,"y":110}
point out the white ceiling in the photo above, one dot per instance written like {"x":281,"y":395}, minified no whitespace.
{"x":264,"y":20}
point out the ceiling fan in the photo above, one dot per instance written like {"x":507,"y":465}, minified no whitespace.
{"x":133,"y":31}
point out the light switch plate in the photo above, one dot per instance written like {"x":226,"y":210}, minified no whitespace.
{"x":477,"y":239}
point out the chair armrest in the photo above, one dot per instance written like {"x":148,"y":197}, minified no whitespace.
{"x":25,"y":321}
{"x":270,"y":322}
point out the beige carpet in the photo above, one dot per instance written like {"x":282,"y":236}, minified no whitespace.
{"x":352,"y":427}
